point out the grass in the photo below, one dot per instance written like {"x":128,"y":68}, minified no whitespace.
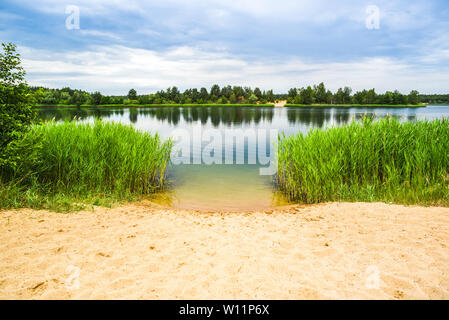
{"x":66,"y":166}
{"x":78,"y":163}
{"x":357,"y":105}
{"x":156,"y":105}
{"x":370,"y":161}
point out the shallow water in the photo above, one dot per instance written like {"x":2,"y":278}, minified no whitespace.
{"x":195,"y":183}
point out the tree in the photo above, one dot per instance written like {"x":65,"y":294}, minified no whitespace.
{"x":270,"y":96}
{"x":329,"y":97}
{"x":49,"y":98}
{"x":347,"y":95}
{"x":413,"y":97}
{"x":359,"y":97}
{"x":292,"y":93}
{"x":195,"y":95}
{"x":386,"y":98}
{"x":226,"y":91}
{"x":306,"y":95}
{"x":370,"y":97}
{"x":247,"y":92}
{"x":174,"y":94}
{"x":343,"y":96}
{"x":77,"y":98}
{"x":339,"y":96}
{"x":38,"y":96}
{"x":399,"y":98}
{"x":252,"y":99}
{"x":238,"y":91}
{"x":320,"y":93}
{"x":233,"y":98}
{"x":258,"y":93}
{"x":204,"y":95}
{"x":106,"y":100}
{"x":64,"y":98}
{"x":15,"y":111}
{"x":132,"y":94}
{"x":96,"y":98}
{"x":144,"y":99}
{"x":215,"y":91}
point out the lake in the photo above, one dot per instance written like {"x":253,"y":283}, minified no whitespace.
{"x":220,"y":151}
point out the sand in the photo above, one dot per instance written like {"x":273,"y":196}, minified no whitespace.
{"x":331,"y":251}
{"x":281,"y":103}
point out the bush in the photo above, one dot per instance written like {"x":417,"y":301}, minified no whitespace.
{"x":15,"y":112}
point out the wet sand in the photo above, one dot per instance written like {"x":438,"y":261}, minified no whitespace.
{"x":144,"y":251}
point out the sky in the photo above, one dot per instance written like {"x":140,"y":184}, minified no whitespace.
{"x":153,"y":45}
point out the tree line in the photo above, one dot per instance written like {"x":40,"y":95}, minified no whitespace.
{"x":317,"y":94}
{"x":435,"y":98}
{"x":225,"y":95}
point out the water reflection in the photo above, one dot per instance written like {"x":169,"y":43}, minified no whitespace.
{"x":342,"y":116}
{"x":319,"y":117}
{"x":172,"y":115}
{"x":243,"y":116}
{"x":309,"y":116}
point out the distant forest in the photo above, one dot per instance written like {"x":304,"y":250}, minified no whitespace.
{"x":317,"y":94}
{"x":434,"y":98}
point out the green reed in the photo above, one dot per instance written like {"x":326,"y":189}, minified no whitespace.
{"x":368,"y":161}
{"x":87,"y":161}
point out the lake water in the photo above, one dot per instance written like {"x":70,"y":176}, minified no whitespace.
{"x":237,"y":138}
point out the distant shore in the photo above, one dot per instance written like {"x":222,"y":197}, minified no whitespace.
{"x":155,"y":105}
{"x":357,"y":105}
{"x":277,"y":104}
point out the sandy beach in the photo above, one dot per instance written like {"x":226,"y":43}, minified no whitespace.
{"x":143,"y":251}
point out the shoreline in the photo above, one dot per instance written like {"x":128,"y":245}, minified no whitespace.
{"x":268,"y":105}
{"x":383,"y":106}
{"x":147,"y":251}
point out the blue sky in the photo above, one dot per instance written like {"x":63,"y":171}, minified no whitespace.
{"x":150,"y":45}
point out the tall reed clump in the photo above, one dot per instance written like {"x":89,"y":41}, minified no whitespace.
{"x":83,"y":160}
{"x":368,"y":161}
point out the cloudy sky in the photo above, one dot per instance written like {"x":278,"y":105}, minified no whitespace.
{"x":150,"y":45}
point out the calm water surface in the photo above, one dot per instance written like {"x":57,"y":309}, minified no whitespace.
{"x":231,"y":186}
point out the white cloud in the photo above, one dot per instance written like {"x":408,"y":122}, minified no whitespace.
{"x":99,"y":33}
{"x":115,"y":69}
